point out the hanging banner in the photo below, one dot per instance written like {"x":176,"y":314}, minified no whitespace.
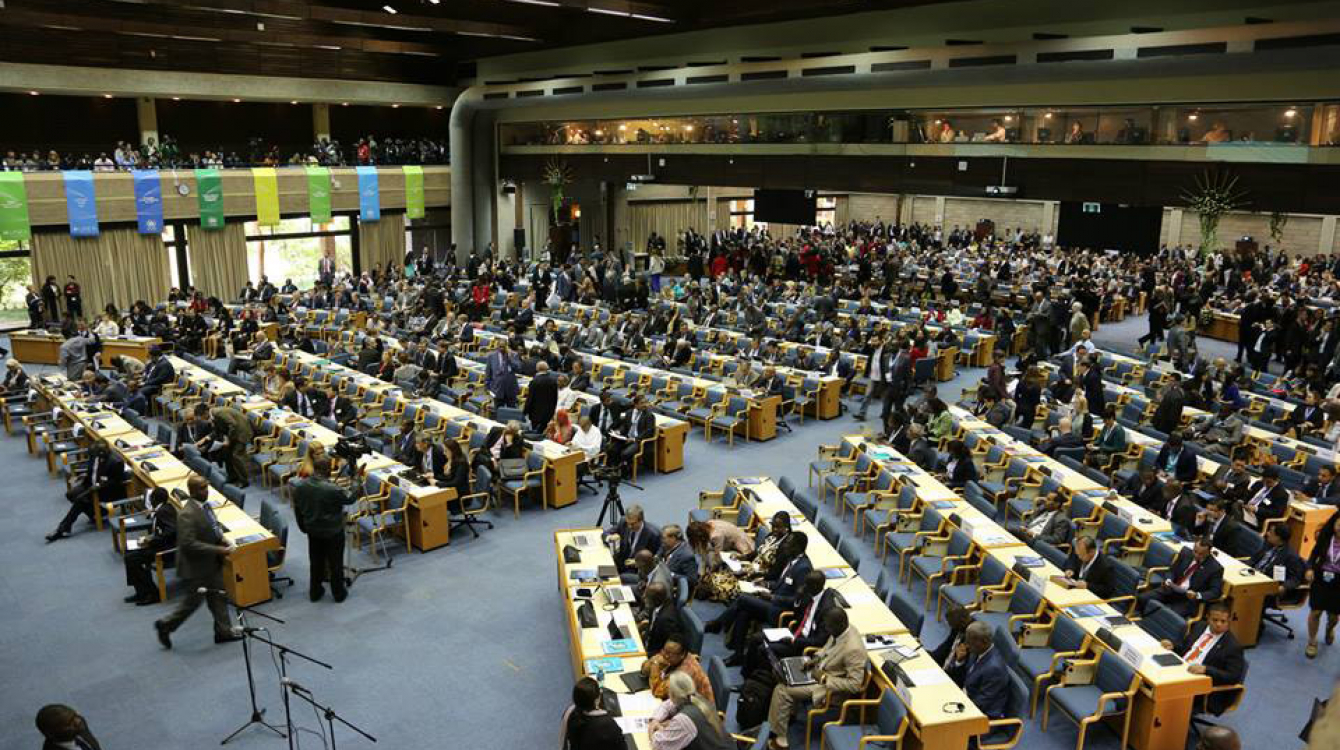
{"x":81,"y":203}
{"x":413,"y":192}
{"x":369,"y":195}
{"x":13,"y":207}
{"x":148,"y":200}
{"x":318,"y":194}
{"x":267,"y":196}
{"x":209,"y":190}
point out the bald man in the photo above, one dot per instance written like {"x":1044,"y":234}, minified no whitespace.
{"x":1219,"y":738}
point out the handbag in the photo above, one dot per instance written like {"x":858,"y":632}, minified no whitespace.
{"x":512,"y":468}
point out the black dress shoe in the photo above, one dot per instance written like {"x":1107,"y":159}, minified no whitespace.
{"x":316,"y":594}
{"x":57,"y":534}
{"x":713,"y":626}
{"x":228,"y":637}
{"x":164,"y":636}
{"x":146,"y":600}
{"x":131,"y":599}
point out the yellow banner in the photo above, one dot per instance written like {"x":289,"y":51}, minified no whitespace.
{"x":267,"y":196}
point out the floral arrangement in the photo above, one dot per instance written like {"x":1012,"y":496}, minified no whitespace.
{"x":1215,"y":194}
{"x":556,"y":174}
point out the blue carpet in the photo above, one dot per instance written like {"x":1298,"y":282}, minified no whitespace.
{"x":464,"y":647}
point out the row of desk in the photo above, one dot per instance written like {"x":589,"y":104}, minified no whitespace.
{"x":246,"y":573}
{"x":43,"y":348}
{"x":1162,"y":709}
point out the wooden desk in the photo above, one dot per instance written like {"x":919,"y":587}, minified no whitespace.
{"x":587,"y":643}
{"x":35,"y":347}
{"x":763,"y":418}
{"x":939,"y":713}
{"x":128,"y":346}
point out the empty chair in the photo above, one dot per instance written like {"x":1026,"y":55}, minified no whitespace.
{"x":886,"y":731}
{"x":906,"y":610}
{"x":1108,"y":694}
{"x":1038,"y":663}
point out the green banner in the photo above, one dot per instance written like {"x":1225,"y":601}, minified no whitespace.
{"x":209,"y":188}
{"x":413,"y":192}
{"x":318,"y":194}
{"x":13,"y":207}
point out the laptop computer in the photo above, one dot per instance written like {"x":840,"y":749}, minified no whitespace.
{"x":790,"y":670}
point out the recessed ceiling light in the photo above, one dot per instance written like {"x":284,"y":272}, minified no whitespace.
{"x":546,"y":3}
{"x":439,"y":106}
{"x":106,"y":96}
{"x":236,"y":101}
{"x":34,"y":93}
{"x":344,"y":104}
{"x":1193,"y":117}
{"x":295,"y":101}
{"x":389,"y":9}
{"x":1290,"y":112}
{"x":176,"y":98}
{"x":395,"y":106}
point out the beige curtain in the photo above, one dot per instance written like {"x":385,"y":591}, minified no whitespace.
{"x":120,"y":266}
{"x":382,"y":243}
{"x":219,"y":260}
{"x":843,"y":212}
{"x":667,"y":219}
{"x":723,"y":215}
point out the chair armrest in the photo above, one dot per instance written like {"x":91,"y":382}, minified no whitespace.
{"x":856,"y":702}
{"x":991,"y":600}
{"x":1036,"y":634}
{"x":1018,"y":725}
{"x":1080,"y":672}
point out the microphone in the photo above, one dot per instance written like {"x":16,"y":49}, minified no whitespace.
{"x":289,"y":682}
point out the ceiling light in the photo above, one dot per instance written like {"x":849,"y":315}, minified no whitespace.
{"x":599,"y":133}
{"x":1048,"y":115}
{"x":344,"y":104}
{"x":657,"y":19}
{"x":389,"y":9}
{"x":434,"y":2}
{"x":295,"y":101}
{"x":1290,"y":112}
{"x":395,"y":106}
{"x":34,"y":93}
{"x":236,"y":101}
{"x":546,"y":3}
{"x":106,"y":96}
{"x":176,"y":98}
{"x":623,"y":127}
{"x":1193,"y":117}
{"x":1009,"y":118}
{"x":439,"y":106}
{"x":688,"y":128}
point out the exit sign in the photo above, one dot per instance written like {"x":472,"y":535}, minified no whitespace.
{"x":1092,"y":208}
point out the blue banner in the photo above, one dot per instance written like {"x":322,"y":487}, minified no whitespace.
{"x":148,"y":200}
{"x":369,"y":195}
{"x":81,"y":203}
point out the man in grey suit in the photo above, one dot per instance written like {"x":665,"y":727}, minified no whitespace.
{"x":677,"y":555}
{"x":1047,"y":523}
{"x":74,"y":357}
{"x":201,"y":549}
{"x":838,"y":669}
{"x":500,"y":375}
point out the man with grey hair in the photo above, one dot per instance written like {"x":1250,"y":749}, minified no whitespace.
{"x":630,"y":536}
{"x":920,"y":451}
{"x":986,"y":681}
{"x":678,"y":556}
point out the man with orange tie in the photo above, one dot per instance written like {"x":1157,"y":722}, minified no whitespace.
{"x":1209,"y":649}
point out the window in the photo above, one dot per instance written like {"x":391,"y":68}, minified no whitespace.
{"x":742,"y":214}
{"x":826,"y":212}
{"x":174,"y":239}
{"x":16,"y":272}
{"x":293,"y":249}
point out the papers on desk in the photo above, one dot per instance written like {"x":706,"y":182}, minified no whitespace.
{"x":860,"y":596}
{"x":248,"y":539}
{"x":632,"y":725}
{"x":621,"y":646}
{"x":926,"y":677}
{"x":835,"y":573}
{"x":638,"y":703}
{"x":994,"y":536}
{"x":943,"y":504}
{"x":776,"y":635}
{"x":604,"y":664}
{"x":748,"y":480}
{"x":1084,"y":610}
{"x":1029,"y":561}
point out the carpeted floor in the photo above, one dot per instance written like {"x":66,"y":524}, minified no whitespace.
{"x":463,"y":647}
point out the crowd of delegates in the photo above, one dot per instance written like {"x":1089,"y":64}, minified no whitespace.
{"x":168,"y":154}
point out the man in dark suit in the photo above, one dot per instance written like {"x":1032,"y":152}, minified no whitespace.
{"x":778,"y":595}
{"x":103,"y":481}
{"x":605,"y":415}
{"x":1144,"y":487}
{"x":1279,"y":562}
{"x":141,"y":552}
{"x":1168,"y":413}
{"x":1047,"y":523}
{"x":64,"y":729}
{"x":1194,"y":577}
{"x":899,"y":381}
{"x":1307,"y":418}
{"x":635,"y":535}
{"x":677,"y":555}
{"x":638,"y":424}
{"x":920,"y":451}
{"x":1087,"y":568}
{"x":195,"y":428}
{"x":1091,"y":378}
{"x":426,"y":458}
{"x":1176,"y":460}
{"x":541,"y":397}
{"x":1215,"y":524}
{"x":338,"y":408}
{"x":1324,"y":489}
{"x":157,"y":374}
{"x":1177,"y":506}
{"x":423,"y":357}
{"x":986,"y":680}
{"x":201,"y":549}
{"x":662,"y":617}
{"x":318,"y":505}
{"x":808,"y":627}
{"x":580,"y":380}
{"x":1266,"y":498}
{"x":1209,"y":648}
{"x":500,"y":375}
{"x":952,"y":654}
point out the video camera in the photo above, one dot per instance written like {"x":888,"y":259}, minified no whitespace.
{"x":352,"y":448}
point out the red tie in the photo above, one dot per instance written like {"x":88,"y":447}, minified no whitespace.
{"x":805,"y":621}
{"x":1190,"y":570}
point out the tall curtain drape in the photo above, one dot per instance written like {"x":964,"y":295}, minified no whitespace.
{"x":219,"y":260}
{"x":382,"y":243}
{"x":120,"y":266}
{"x":667,"y":219}
{"x":723,"y":215}
{"x":843,"y":210}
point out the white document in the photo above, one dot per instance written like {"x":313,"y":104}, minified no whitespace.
{"x":776,"y":635}
{"x":632,"y":725}
{"x":732,"y":564}
{"x":1130,"y":652}
{"x":1279,"y":573}
{"x":749,"y":587}
{"x":624,"y":616}
{"x":929,"y":676}
{"x":860,"y":595}
{"x":638,"y":703}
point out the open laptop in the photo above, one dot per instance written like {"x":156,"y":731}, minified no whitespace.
{"x":790,"y":670}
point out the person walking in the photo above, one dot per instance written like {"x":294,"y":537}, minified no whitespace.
{"x":201,"y":550}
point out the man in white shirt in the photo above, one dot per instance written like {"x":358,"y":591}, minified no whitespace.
{"x":567,"y":397}
{"x":586,"y":438}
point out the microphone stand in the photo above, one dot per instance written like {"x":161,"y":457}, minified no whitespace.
{"x":257,"y":713}
{"x":326,"y":712}
{"x":284,"y":680}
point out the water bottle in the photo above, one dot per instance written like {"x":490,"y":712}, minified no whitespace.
{"x":600,"y":675}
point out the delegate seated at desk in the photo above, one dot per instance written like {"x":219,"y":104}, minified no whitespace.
{"x":1195,"y":576}
{"x":1279,"y":562}
{"x":1209,"y":648}
{"x":807,"y":627}
{"x":1266,"y":498}
{"x":985,"y":678}
{"x":632,"y":535}
{"x":779,"y":595}
{"x":1088,"y":568}
{"x":838,"y":669}
{"x":1046,"y":523}
{"x":141,"y":552}
{"x":101,"y":482}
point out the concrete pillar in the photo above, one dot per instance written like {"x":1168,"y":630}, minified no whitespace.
{"x":939,"y":210}
{"x":321,"y":121}
{"x":1175,"y":228}
{"x":1049,"y":218}
{"x":147,"y":114}
{"x":462,"y":187}
{"x":484,"y":178}
{"x":1326,"y":240}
